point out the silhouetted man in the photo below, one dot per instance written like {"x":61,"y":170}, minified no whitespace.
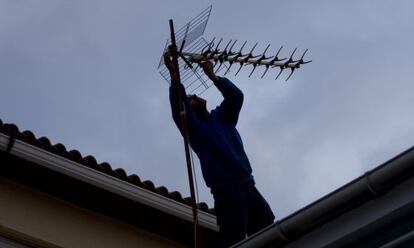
{"x":240,"y":208}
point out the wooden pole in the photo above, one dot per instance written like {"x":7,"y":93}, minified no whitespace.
{"x":186,"y":136}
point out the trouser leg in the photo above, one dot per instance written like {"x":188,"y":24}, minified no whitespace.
{"x":260,"y":213}
{"x":231,"y":211}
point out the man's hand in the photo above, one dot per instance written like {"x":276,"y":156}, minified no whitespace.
{"x":208,"y":68}
{"x":170,"y":66}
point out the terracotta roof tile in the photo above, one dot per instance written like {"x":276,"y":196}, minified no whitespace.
{"x":105,"y":167}
{"x":121,"y":174}
{"x":45,"y":144}
{"x":175,"y":195}
{"x":149,"y":185}
{"x":29,"y":136}
{"x":61,"y":149}
{"x":203,"y":206}
{"x":134,"y":179}
{"x":187,"y":200}
{"x":91,"y":162}
{"x":162,"y":191}
{"x":76,"y":155}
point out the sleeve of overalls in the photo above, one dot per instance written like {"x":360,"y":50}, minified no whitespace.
{"x":175,"y":108}
{"x":233,"y":99}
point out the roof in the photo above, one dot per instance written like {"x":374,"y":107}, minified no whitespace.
{"x":79,"y":179}
{"x":364,"y":195}
{"x":91,"y":162}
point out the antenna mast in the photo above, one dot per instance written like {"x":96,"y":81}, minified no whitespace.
{"x":174,"y":54}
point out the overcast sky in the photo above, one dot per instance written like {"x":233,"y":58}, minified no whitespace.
{"x":84,"y":73}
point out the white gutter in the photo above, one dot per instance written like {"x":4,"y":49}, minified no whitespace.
{"x":104,"y":181}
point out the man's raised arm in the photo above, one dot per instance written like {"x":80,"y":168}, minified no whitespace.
{"x":233,"y":96}
{"x":173,"y":94}
{"x":175,"y":107}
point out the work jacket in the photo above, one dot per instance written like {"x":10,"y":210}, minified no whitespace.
{"x":215,"y":140}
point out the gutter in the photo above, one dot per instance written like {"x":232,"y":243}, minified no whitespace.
{"x":370,"y":185}
{"x":88,"y":175}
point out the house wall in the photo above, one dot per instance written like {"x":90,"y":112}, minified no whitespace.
{"x":37,"y":219}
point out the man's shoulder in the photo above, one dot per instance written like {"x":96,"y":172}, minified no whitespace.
{"x":217,"y":115}
{"x":216,"y":112}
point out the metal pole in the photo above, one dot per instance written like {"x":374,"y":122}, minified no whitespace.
{"x":174,"y":55}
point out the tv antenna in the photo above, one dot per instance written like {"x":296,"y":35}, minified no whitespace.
{"x":192,"y":50}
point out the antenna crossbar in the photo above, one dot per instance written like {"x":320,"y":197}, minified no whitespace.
{"x":198,"y":57}
{"x":222,"y":56}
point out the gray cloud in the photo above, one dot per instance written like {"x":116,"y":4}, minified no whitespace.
{"x":84,"y":73}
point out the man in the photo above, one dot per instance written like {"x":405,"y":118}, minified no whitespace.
{"x":239,"y":207}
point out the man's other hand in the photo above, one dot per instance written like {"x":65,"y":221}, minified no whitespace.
{"x":171,"y":66}
{"x":208,"y":68}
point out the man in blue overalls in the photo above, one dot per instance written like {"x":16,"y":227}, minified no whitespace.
{"x":240,"y":208}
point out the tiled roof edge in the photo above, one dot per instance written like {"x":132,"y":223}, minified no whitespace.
{"x":90,"y":161}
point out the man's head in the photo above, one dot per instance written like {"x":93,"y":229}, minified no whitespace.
{"x":199,"y":105}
